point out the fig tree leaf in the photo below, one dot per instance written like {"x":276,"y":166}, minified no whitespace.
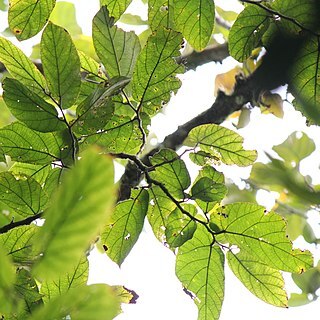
{"x":222,"y":143}
{"x":264,"y":282}
{"x":126,"y":223}
{"x":61,"y":65}
{"x":116,"y":7}
{"x":200,"y":268}
{"x":30,"y":108}
{"x":195,"y":20}
{"x":27,"y":17}
{"x":154,"y":77}
{"x":117,"y":49}
{"x":247,"y":31}
{"x":75,"y":216}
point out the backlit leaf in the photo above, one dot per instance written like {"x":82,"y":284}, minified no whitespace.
{"x":125,"y":226}
{"x":28,"y":17}
{"x":116,"y":7}
{"x":208,"y":190}
{"x":160,"y":14}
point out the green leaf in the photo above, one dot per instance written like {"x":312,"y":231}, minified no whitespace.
{"x":94,"y":302}
{"x":25,"y":145}
{"x":263,"y":235}
{"x":171,"y":171}
{"x":71,"y":280}
{"x":297,"y":147}
{"x":75,"y":216}
{"x":21,"y":68}
{"x":27,"y":17}
{"x":23,"y":196}
{"x":30,"y":108}
{"x":222,"y":143}
{"x":116,"y":7}
{"x":61,"y":64}
{"x":247,"y":31}
{"x":264,"y":282}
{"x":88,"y":64}
{"x":37,"y":172}
{"x":309,"y":281}
{"x":154,"y":77}
{"x":200,"y":268}
{"x":208,"y":190}
{"x":117,"y":49}
{"x":195,"y":20}
{"x":125,"y":226}
{"x":160,"y":14}
{"x":297,"y":299}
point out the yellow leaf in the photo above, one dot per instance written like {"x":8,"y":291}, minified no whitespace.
{"x":226,"y":81}
{"x":271,"y":103}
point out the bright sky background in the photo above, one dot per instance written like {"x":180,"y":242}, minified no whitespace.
{"x":149,"y":269}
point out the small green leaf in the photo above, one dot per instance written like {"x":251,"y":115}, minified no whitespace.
{"x":200,"y":268}
{"x":27,"y":17}
{"x":117,"y":49}
{"x":37,"y":172}
{"x":195,"y":20}
{"x":208,"y":190}
{"x":171,"y":171}
{"x":264,"y":282}
{"x":31,"y":109}
{"x":116,"y":7}
{"x":61,"y":64}
{"x":154,"y":77}
{"x":125,"y":226}
{"x":160,"y":14}
{"x":75,"y":216}
{"x":247,"y":31}
{"x":23,"y":196}
{"x":88,"y":64}
{"x":222,"y":143}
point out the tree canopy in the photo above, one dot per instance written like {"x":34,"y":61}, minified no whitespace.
{"x":79,"y":105}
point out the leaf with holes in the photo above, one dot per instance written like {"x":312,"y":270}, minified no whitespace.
{"x":200,"y":268}
{"x":61,"y":65}
{"x":222,"y":144}
{"x":77,"y":212}
{"x":116,"y":7}
{"x":30,"y":108}
{"x":171,"y":172}
{"x":154,"y":77}
{"x":117,"y":49}
{"x":27,"y":17}
{"x":263,"y":235}
{"x":125,"y":226}
{"x":247,"y":31}
{"x":195,"y":20}
{"x":264,"y":282}
{"x":160,"y":14}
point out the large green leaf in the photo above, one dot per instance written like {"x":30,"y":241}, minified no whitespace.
{"x":125,"y":226}
{"x":247,"y":31}
{"x":117,"y":49}
{"x":61,"y":65}
{"x":171,"y":171}
{"x":31,"y":109}
{"x":24,"y":196}
{"x":160,"y":14}
{"x":154,"y":77}
{"x":221,"y":144}
{"x":208,"y":190}
{"x":25,"y":145}
{"x":21,"y":68}
{"x":116,"y":7}
{"x":77,"y":277}
{"x":94,"y":302}
{"x":195,"y":20}
{"x":28,"y":17}
{"x":264,"y":282}
{"x":76,"y":215}
{"x":200,"y":268}
{"x":263,"y":235}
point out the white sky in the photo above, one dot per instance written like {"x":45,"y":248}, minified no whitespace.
{"x":149,"y":269}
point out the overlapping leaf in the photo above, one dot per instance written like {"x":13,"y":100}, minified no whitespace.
{"x":117,"y":49}
{"x":27,"y":17}
{"x":195,"y":20}
{"x":23,"y":196}
{"x":125,"y":226}
{"x":160,"y":14}
{"x":61,"y":64}
{"x":222,"y":144}
{"x":154,"y":77}
{"x":247,"y":31}
{"x":208,"y":190}
{"x":116,"y":7}
{"x":76,"y":214}
{"x":200,"y":268}
{"x":171,"y":171}
{"x":263,"y":235}
{"x":264,"y":282}
{"x":37,"y":172}
{"x":30,"y":108}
